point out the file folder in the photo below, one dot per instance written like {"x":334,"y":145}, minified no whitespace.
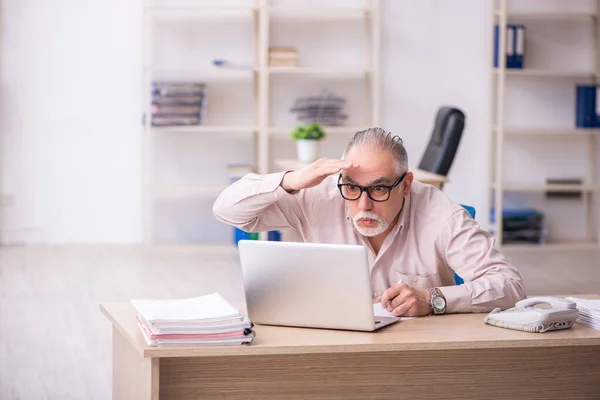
{"x":586,"y":108}
{"x":519,"y":46}
{"x":510,"y":46}
{"x":510,"y":61}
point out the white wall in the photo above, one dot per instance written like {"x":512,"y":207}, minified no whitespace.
{"x":435,"y":53}
{"x":70,"y":90}
{"x":72,"y":104}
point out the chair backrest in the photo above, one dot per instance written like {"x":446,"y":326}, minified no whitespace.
{"x":471,"y":210}
{"x":444,"y":140}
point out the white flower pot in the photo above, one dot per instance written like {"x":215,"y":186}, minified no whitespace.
{"x":308,"y":150}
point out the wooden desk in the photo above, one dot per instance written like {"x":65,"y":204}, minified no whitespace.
{"x":420,"y":175}
{"x":436,"y":357}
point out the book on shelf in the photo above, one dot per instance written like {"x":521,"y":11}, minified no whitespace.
{"x":587,"y":106}
{"x":175,"y":120}
{"x":177,"y":88}
{"x":521,"y":226}
{"x":175,"y":109}
{"x":178,"y":103}
{"x":283,"y":57}
{"x":519,"y":60}
{"x":179,"y":100}
{"x":208,"y":320}
{"x":283,"y":51}
{"x":514,"y":46}
{"x":282,"y":63}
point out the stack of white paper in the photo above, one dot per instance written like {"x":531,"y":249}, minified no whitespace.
{"x":589,"y":312}
{"x":200,"y":321}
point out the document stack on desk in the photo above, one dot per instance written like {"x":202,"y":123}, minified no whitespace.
{"x":589,"y":312}
{"x":200,"y":321}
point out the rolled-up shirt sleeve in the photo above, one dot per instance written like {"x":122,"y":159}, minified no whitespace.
{"x":257,"y":203}
{"x":490,"y":279}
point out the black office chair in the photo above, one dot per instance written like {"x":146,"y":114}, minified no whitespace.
{"x":442,"y":146}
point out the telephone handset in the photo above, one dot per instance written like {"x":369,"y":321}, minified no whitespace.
{"x":561,"y":314}
{"x":555,"y":302}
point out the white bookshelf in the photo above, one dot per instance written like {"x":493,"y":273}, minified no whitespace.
{"x":323,"y":13}
{"x":331,"y":130}
{"x":547,"y":133}
{"x":3,"y":199}
{"x":527,"y":187}
{"x":546,"y":73}
{"x":547,"y":16}
{"x":173,"y":190}
{"x":336,"y":73}
{"x":502,"y":132}
{"x":265,"y":131}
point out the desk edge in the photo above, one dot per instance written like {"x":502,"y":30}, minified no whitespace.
{"x":257,"y":350}
{"x":141,"y":351}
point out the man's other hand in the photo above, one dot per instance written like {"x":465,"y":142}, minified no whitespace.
{"x":313,"y":174}
{"x":405,"y":301}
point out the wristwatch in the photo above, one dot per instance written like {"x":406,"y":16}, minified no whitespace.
{"x":438,"y":301}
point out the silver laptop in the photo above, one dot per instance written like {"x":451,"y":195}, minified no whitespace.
{"x":309,"y":285}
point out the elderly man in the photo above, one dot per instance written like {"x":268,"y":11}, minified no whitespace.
{"x":416,"y":237}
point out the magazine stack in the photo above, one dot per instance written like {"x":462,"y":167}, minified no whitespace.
{"x":178,"y":103}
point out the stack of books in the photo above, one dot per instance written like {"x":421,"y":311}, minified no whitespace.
{"x":178,"y":103}
{"x":324,"y":109}
{"x":283,"y":57}
{"x":522,"y":226}
{"x":208,"y":320}
{"x":589,"y":312}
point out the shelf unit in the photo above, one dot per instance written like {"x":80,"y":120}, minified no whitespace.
{"x":545,"y":73}
{"x":3,"y":199}
{"x":500,"y":133}
{"x":263,"y":130}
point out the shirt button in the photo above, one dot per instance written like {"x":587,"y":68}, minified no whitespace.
{"x":415,"y":279}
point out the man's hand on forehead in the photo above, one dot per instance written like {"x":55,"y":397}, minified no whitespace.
{"x":314,"y":174}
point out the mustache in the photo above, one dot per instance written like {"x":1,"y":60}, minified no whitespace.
{"x":368,"y":214}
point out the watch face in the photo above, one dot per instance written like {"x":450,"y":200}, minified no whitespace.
{"x":439,"y":303}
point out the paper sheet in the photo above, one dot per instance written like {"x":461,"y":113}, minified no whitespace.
{"x":379,"y":311}
{"x":593,"y":305}
{"x":589,"y":312}
{"x":206,"y":308}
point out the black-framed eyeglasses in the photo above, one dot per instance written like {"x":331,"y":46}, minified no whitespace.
{"x":378,"y":193}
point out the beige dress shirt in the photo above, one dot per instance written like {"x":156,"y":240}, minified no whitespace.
{"x":434,"y":238}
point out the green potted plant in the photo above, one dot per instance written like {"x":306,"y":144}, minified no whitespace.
{"x":308,"y":137}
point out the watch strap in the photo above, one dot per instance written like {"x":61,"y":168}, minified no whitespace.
{"x":437,"y":294}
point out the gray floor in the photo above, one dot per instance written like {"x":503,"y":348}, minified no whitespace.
{"x":55,"y":344}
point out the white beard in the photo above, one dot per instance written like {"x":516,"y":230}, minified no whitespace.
{"x":378,"y":229}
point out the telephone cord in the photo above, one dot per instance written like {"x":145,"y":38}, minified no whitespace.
{"x":535,"y":328}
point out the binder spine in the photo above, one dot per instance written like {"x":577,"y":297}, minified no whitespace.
{"x":510,"y":46}
{"x":519,"y":46}
{"x":496,"y":44}
{"x":586,"y":109}
{"x":597,"y":108}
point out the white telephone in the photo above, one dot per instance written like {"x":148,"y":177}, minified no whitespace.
{"x":525,"y":317}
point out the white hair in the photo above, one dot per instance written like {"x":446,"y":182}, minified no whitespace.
{"x":380,"y":140}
